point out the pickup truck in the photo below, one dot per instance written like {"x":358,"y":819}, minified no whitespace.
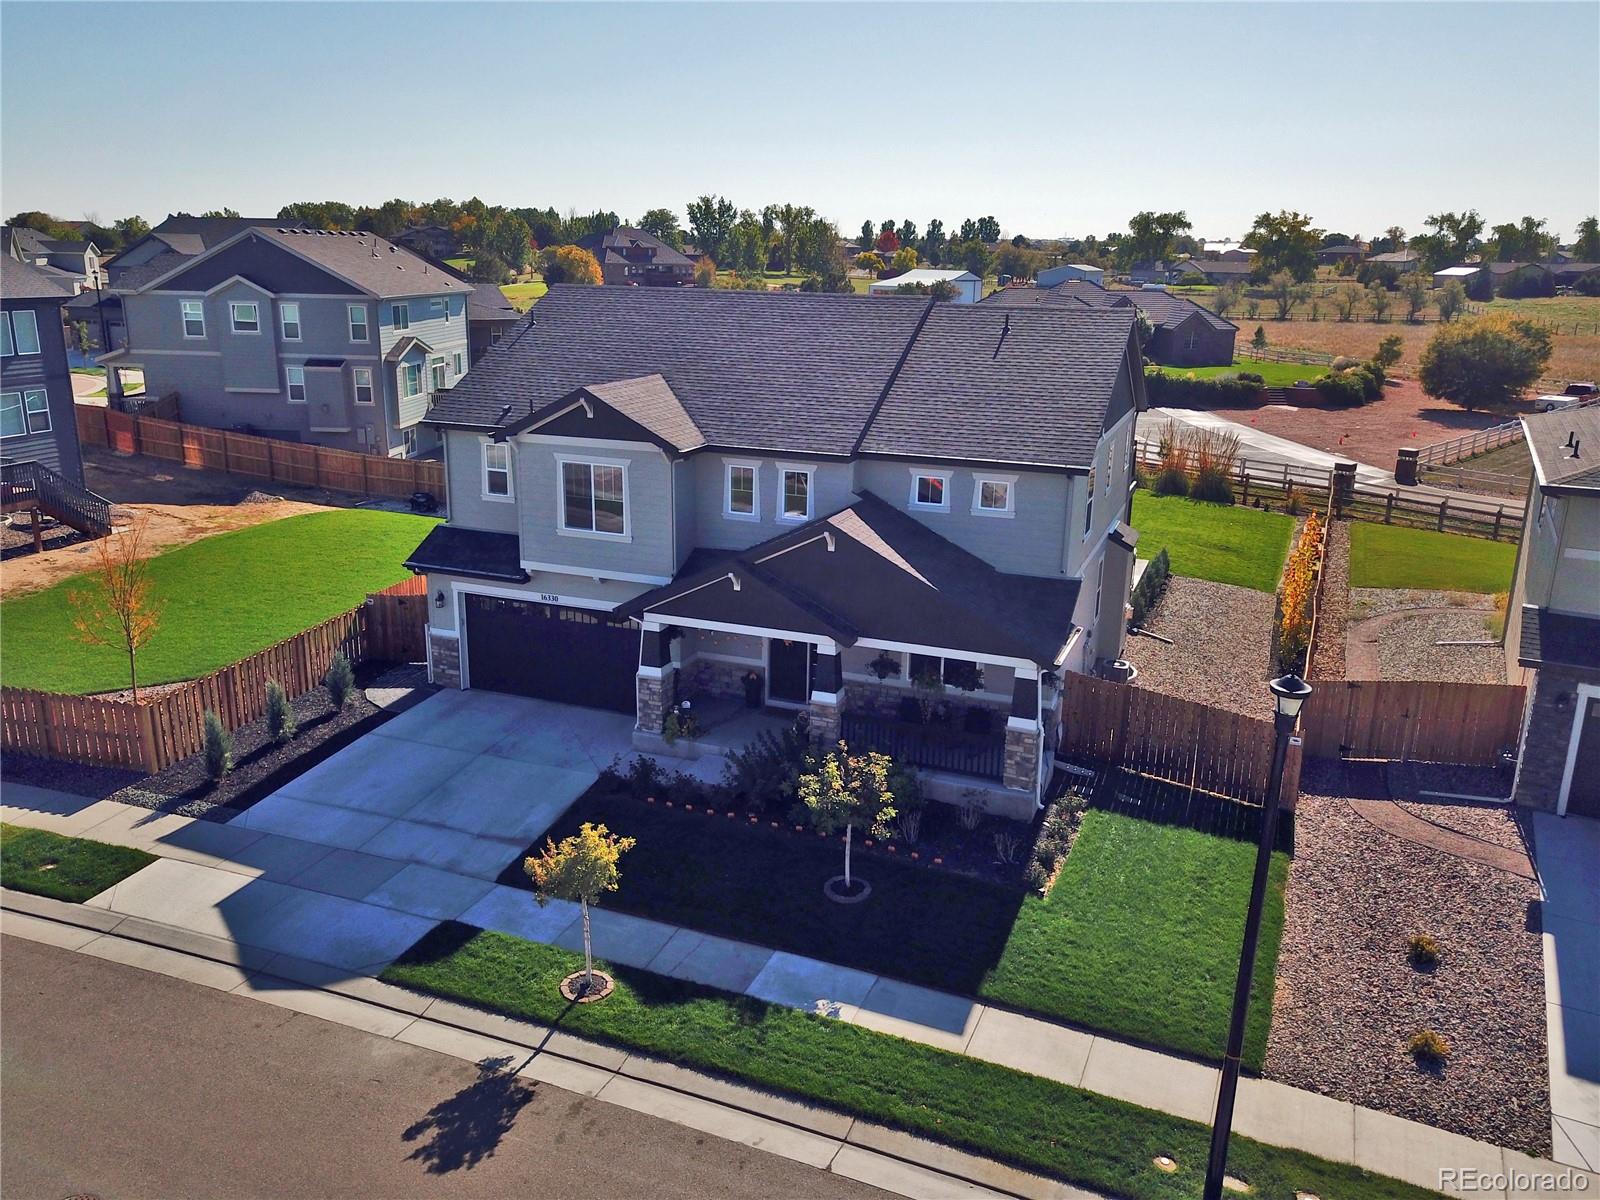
{"x":1576,"y":395}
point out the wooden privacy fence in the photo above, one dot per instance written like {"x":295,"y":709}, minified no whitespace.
{"x":1172,"y":738}
{"x":1409,"y":720}
{"x":158,"y":731}
{"x":257,"y":457}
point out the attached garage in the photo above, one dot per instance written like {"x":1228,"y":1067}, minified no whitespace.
{"x":571,"y":655}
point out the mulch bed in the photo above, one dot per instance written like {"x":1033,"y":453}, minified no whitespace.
{"x":1221,"y":654}
{"x":16,"y":538}
{"x":261,"y":767}
{"x":1348,"y":999}
{"x":1327,"y":659}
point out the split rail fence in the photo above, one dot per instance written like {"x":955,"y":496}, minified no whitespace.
{"x":257,"y":457}
{"x":165,"y":728}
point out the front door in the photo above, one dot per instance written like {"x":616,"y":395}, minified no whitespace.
{"x":788,"y":672}
{"x":1583,"y":794}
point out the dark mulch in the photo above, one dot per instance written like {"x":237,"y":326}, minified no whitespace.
{"x":1348,"y":999}
{"x":259,"y":766}
{"x":80,"y":780}
{"x":16,"y":538}
{"x":723,"y":875}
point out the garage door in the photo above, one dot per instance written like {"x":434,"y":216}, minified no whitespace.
{"x":574,"y":655}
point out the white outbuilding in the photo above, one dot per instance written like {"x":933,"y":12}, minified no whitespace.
{"x":1051,"y":276}
{"x":969,"y":288}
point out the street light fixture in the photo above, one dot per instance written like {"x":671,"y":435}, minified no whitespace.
{"x":1289,"y":693}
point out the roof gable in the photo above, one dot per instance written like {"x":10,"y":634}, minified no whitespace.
{"x":260,"y":262}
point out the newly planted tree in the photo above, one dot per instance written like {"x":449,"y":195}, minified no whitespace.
{"x":120,"y":613}
{"x":849,"y":791}
{"x":581,"y":868}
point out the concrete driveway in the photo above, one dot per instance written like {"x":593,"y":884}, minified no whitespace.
{"x":463,"y":782}
{"x":1567,"y":850}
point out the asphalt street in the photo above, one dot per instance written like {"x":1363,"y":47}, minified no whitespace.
{"x":125,"y":1084}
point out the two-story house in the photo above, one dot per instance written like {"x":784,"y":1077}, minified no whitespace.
{"x":341,"y":339}
{"x":1183,"y":333}
{"x":36,"y":415}
{"x":876,"y":511}
{"x":74,"y":263}
{"x":1553,"y":619}
{"x":633,"y":258}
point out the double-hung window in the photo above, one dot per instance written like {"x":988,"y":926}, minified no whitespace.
{"x":796,"y":494}
{"x":458,"y":363}
{"x":440,"y":307}
{"x":24,"y":412}
{"x":362,"y":379}
{"x":411,"y":378}
{"x":740,"y":500}
{"x":994,"y":496}
{"x":295,"y":377}
{"x":436,"y":373}
{"x":497,"y":470}
{"x":246,"y":316}
{"x":401,"y":314}
{"x":289,"y":318}
{"x":593,"y":498}
{"x":930,"y":490}
{"x":194,"y":318}
{"x":19,"y":333}
{"x":1088,"y":505}
{"x":358,"y":322}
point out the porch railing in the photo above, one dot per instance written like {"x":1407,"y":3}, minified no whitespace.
{"x":936,"y":747}
{"x":31,"y":484}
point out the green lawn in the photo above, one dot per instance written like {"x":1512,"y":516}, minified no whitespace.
{"x":63,"y":868}
{"x":1390,"y":556}
{"x":1063,"y":1131}
{"x":523,"y":295}
{"x":1141,"y":934}
{"x":765,"y":886}
{"x":460,"y":264}
{"x":1221,"y":542}
{"x":1274,"y":374}
{"x":224,"y":597}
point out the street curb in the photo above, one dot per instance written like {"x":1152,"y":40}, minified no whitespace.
{"x":846,"y":1133}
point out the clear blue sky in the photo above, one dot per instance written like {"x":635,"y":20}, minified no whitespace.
{"x":1056,"y":119}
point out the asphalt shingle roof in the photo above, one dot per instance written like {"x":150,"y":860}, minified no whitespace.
{"x":489,"y":303}
{"x":23,"y":281}
{"x":651,"y":402}
{"x":1554,"y":460}
{"x":1164,"y":309}
{"x":1003,"y":385}
{"x":612,"y":247}
{"x":807,"y":373}
{"x":370,"y":262}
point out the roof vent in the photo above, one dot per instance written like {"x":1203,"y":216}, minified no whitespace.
{"x":827,"y":537}
{"x":1004,"y":330}
{"x":1573,"y":442}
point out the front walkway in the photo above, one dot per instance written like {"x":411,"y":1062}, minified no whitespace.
{"x":1567,"y":850}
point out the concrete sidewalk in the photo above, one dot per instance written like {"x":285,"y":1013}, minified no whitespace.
{"x":1567,"y":850}
{"x":352,"y":912}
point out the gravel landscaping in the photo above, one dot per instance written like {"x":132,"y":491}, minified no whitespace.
{"x":1328,"y":658}
{"x":1221,"y":651}
{"x":1395,"y":634}
{"x":16,"y":536}
{"x":1348,"y":999}
{"x":260,"y":767}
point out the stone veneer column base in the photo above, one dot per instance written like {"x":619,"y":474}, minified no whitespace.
{"x":1022,"y":759}
{"x":824,"y":723}
{"x":656,"y":697}
{"x":445,"y":656}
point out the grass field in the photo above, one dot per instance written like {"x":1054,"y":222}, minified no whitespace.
{"x":223,"y":598}
{"x":63,"y":868}
{"x":1220,"y":542}
{"x":1140,"y":936}
{"x":1093,"y":1140}
{"x":1273,"y":374}
{"x":524,"y":295}
{"x":1389,"y":556}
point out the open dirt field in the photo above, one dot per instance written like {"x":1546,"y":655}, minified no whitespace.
{"x":1370,"y":433}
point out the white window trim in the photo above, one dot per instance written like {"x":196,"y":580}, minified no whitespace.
{"x":510,"y":496}
{"x":355,"y":385}
{"x":22,"y":410}
{"x":403,"y":370}
{"x":283,"y":321}
{"x":728,"y":464}
{"x":233,"y":316}
{"x":918,"y":474}
{"x":1010,"y":510}
{"x":183,"y":320}
{"x":43,"y":396}
{"x":351,"y":311}
{"x":16,"y":341}
{"x":440,"y":305}
{"x":7,"y":346}
{"x":396,"y":312}
{"x":561,"y":499}
{"x":809,"y":470}
{"x":288,"y":382}
{"x":458,"y":362}
{"x":437,"y":382}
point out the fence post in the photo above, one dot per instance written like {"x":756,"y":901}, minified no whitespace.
{"x":1443,"y":505}
{"x":147,"y":738}
{"x":1388,"y":509}
{"x":1498,"y":513}
{"x":1245,"y":477}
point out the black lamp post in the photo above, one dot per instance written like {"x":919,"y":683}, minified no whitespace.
{"x":1289,"y":692}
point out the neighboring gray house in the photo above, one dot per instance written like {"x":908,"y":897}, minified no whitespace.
{"x":490,"y":316}
{"x":1184,"y":334}
{"x":342,"y":339}
{"x":75,"y":263}
{"x":36,"y":415}
{"x":796,"y":502}
{"x":1553,"y":619}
